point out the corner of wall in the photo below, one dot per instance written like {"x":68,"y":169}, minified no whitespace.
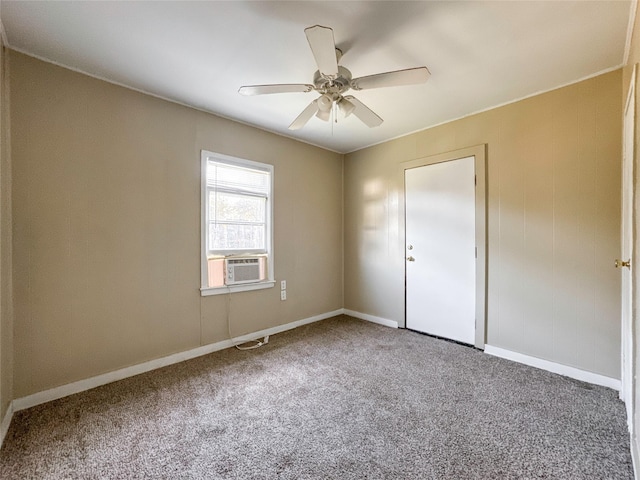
{"x":6,"y":239}
{"x":344,"y":157}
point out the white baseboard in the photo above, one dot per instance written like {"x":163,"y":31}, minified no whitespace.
{"x":89,"y":383}
{"x":565,"y":370}
{"x":6,"y":421}
{"x":371,"y":318}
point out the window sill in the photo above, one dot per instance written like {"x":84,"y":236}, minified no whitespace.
{"x":206,"y":291}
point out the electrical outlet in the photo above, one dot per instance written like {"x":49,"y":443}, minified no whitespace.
{"x":283,"y":295}
{"x":283,"y":285}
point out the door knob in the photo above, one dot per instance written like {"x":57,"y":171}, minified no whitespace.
{"x":620,"y":264}
{"x":411,"y":259}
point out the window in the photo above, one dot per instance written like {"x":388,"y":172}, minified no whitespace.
{"x":236,"y":224}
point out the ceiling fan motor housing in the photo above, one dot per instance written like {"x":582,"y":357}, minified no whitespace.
{"x":336,"y":86}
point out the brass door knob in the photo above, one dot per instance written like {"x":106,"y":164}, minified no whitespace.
{"x":411,"y":259}
{"x":620,"y":264}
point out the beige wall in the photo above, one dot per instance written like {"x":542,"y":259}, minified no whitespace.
{"x":106,"y":211}
{"x":553,"y":222}
{"x":6,"y":301}
{"x":106,"y":225}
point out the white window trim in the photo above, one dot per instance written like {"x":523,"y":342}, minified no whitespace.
{"x":204,"y":268}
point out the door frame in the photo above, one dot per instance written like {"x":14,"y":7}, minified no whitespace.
{"x":479,"y":154}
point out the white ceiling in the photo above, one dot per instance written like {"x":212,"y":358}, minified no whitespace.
{"x":480,"y":53}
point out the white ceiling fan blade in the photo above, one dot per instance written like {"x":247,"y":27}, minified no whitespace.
{"x":305,"y":116}
{"x":364,"y":113}
{"x":410,"y":76}
{"x":323,"y":47}
{"x":277,"y":88}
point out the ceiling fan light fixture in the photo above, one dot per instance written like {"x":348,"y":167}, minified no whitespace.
{"x":324,"y":115}
{"x":325,"y":102}
{"x":346,"y":107}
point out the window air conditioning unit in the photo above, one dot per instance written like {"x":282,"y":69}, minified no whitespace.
{"x":242,"y":270}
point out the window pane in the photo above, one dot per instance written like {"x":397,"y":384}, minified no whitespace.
{"x":229,"y":236}
{"x":229,"y":207}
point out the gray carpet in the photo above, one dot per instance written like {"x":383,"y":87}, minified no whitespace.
{"x":340,"y":399}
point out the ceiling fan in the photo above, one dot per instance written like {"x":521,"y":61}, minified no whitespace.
{"x":332,"y":81}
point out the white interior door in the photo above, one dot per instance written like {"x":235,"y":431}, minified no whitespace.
{"x":440,"y":252}
{"x":626,"y":253}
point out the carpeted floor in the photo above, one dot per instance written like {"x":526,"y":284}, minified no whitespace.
{"x":338,"y":399}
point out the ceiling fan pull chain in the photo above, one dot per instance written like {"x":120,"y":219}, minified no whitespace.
{"x":333,"y":114}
